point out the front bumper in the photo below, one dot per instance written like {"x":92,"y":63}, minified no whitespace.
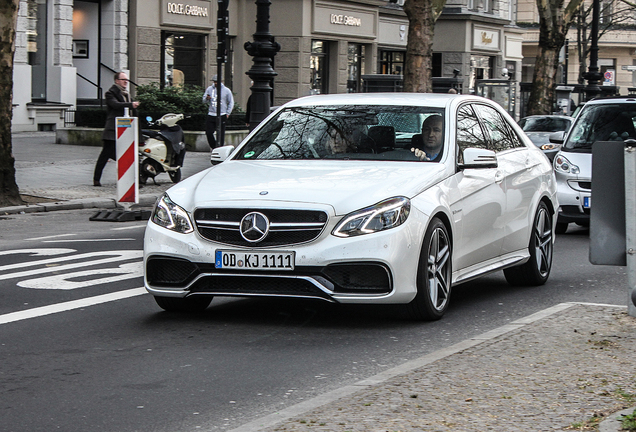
{"x":573,"y":195}
{"x":373,"y":268}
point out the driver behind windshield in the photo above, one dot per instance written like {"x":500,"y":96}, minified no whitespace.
{"x":428,"y":145}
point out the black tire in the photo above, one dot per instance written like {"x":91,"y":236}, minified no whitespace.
{"x":561,"y":228}
{"x":187,"y":304}
{"x":175,"y":176}
{"x":434,"y":275}
{"x":537,"y":269}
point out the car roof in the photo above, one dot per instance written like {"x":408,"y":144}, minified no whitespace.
{"x":434,"y":100}
{"x":612,"y":99}
{"x":549,"y":116}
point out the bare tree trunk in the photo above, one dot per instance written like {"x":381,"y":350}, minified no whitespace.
{"x":545,"y":70}
{"x":418,"y":63}
{"x":554,"y":21}
{"x":9,"y":193}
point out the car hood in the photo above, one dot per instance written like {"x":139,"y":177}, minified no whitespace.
{"x":343,"y":185}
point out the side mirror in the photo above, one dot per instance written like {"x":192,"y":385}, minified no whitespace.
{"x":220,"y":154}
{"x":479,"y":158}
{"x":557,"y":137}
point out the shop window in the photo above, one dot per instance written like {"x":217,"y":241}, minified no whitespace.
{"x":319,"y":65}
{"x":512,"y":70}
{"x":182,"y":59}
{"x":36,"y":47}
{"x":355,"y":67}
{"x":481,"y":67}
{"x":391,"y":62}
{"x":437,"y":64}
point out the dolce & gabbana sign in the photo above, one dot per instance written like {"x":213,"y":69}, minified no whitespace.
{"x":346,"y":20}
{"x":189,"y":13}
{"x":186,"y":9}
{"x":333,"y":18}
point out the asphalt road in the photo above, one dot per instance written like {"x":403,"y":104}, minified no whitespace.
{"x":83,"y":348}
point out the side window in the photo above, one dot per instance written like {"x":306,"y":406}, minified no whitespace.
{"x":502,"y":136}
{"x":469,"y":132}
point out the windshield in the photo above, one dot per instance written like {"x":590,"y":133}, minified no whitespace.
{"x":343,"y":132}
{"x":602,"y":122}
{"x":544,"y":124}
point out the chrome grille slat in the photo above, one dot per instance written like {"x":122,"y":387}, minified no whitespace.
{"x":287,"y":226}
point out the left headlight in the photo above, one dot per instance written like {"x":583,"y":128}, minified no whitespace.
{"x":170,"y":216}
{"x":381,"y":216}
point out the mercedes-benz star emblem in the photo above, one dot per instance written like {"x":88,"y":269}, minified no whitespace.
{"x":254,"y":227}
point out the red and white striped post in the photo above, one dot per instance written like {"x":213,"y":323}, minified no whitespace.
{"x":127,"y":129}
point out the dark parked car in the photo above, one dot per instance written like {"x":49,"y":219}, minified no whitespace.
{"x":540,"y":127}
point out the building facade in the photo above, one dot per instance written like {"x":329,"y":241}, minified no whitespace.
{"x":68,"y":50}
{"x":617,"y":47}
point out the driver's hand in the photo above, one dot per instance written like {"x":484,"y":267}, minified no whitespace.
{"x":420,"y":154}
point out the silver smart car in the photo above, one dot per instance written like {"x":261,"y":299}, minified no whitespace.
{"x":606,"y":119}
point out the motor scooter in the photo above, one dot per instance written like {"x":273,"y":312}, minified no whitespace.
{"x":163,"y":150}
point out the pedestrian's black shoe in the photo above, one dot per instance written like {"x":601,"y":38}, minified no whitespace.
{"x":96,"y":183}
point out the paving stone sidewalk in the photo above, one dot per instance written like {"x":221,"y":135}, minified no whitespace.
{"x":568,"y":371}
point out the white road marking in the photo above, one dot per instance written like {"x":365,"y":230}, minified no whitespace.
{"x":70,"y":305}
{"x":121,"y":255}
{"x":128,"y":227}
{"x":52,"y":236}
{"x":88,"y":240}
{"x":65,"y":282}
{"x":37,"y":252}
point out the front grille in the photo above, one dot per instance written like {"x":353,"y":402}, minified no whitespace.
{"x":585,"y":185}
{"x":261,"y":286}
{"x":287,"y":227}
{"x":359,"y":278}
{"x":164,"y":271}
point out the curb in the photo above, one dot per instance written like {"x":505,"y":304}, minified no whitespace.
{"x":77,"y":204}
{"x":613,"y":423}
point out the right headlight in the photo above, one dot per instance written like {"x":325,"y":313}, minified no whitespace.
{"x":562,"y":164}
{"x":170,"y":216}
{"x":379,"y":217}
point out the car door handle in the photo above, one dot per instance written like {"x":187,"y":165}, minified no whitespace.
{"x":499,"y":176}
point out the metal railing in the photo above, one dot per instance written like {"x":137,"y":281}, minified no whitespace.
{"x":69,"y":117}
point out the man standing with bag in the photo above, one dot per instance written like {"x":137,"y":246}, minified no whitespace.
{"x":117,"y":98}
{"x":227,"y":104}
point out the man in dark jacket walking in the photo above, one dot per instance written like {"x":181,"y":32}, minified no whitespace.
{"x":117,"y":98}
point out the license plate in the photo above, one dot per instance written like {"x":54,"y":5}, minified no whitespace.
{"x":587,"y":202}
{"x":224,"y":259}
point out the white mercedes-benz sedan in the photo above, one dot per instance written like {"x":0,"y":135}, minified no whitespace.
{"x":358,"y":198}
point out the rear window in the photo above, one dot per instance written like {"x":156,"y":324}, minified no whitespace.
{"x":602,"y":122}
{"x":544,"y":124}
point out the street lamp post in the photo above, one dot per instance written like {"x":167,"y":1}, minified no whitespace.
{"x":262,"y":49}
{"x":593,"y":76}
